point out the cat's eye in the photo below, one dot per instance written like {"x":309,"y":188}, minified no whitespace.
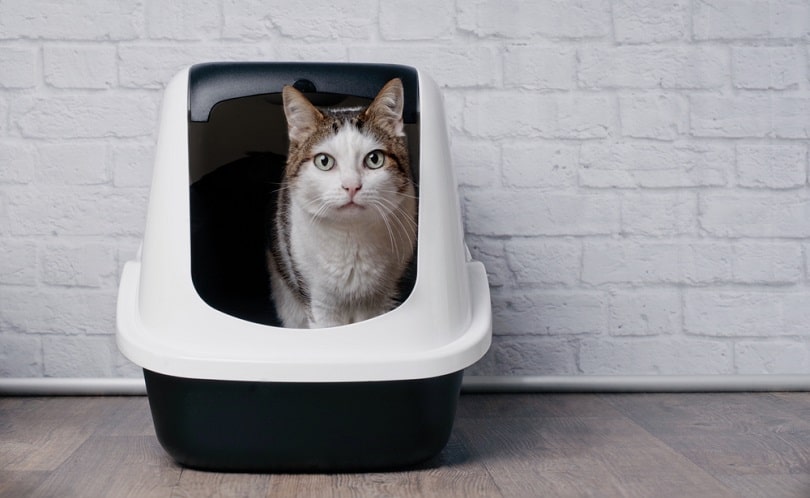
{"x":375,"y":159}
{"x":324,"y":162}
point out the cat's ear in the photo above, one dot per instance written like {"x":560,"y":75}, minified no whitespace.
{"x":302,"y":116}
{"x":386,"y":109}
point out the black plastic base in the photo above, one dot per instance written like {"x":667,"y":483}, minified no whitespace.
{"x":302,"y":427}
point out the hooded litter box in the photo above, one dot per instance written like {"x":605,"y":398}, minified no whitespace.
{"x":229,"y":388}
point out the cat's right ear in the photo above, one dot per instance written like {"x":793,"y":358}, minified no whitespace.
{"x":302,"y":116}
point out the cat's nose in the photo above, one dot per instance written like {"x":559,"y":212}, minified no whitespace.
{"x":352,"y":189}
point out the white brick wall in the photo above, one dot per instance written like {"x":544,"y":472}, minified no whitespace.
{"x":634,"y":173}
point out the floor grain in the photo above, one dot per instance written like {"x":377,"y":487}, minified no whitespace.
{"x":604,"y":445}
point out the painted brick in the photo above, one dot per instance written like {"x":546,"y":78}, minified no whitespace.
{"x":750,"y":19}
{"x":20,"y":356}
{"x":80,"y":66}
{"x":152,"y":66}
{"x":17,"y":160}
{"x":293,"y":50}
{"x":321,"y":19}
{"x":5,"y":214}
{"x":122,"y":367}
{"x":692,"y":263}
{"x":656,"y":116}
{"x":18,"y":66}
{"x":713,"y":116}
{"x":85,"y":116}
{"x":56,"y":20}
{"x":77,"y":356}
{"x":416,"y":20}
{"x":491,"y":252}
{"x":774,"y":357}
{"x":477,"y":162}
{"x":659,"y":214}
{"x":493,"y":213}
{"x":755,"y":214}
{"x":132,"y":164}
{"x":642,"y":356}
{"x":766,"y":262}
{"x":18,"y":262}
{"x":58,"y":311}
{"x":539,"y":68}
{"x":750,"y":116}
{"x":652,"y":67}
{"x":560,"y":313}
{"x":766,"y":68}
{"x":539,"y":164}
{"x":246,"y":19}
{"x":547,"y":18}
{"x":3,"y":115}
{"x":806,"y":248}
{"x":656,"y":262}
{"x":771,"y":166}
{"x":77,"y":211}
{"x":647,"y":21}
{"x":791,"y":118}
{"x":454,"y":66}
{"x":72,"y":163}
{"x":746,"y":313}
{"x":544,"y":261}
{"x":454,"y":105}
{"x":510,"y":355}
{"x":651,"y":312}
{"x":513,"y":114}
{"x":183,"y":19}
{"x":79,"y":265}
{"x":633,"y":165}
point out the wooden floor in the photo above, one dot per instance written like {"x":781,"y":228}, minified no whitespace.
{"x":556,"y":445}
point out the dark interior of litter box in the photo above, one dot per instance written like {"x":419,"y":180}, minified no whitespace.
{"x":237,"y":152}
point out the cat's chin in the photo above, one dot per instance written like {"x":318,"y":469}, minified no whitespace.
{"x":346,"y":213}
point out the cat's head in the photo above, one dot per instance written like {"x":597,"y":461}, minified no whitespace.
{"x":348,"y":163}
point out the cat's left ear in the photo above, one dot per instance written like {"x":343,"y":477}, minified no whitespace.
{"x":386,"y":109}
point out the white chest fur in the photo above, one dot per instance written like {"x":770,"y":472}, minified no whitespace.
{"x":352,"y":272}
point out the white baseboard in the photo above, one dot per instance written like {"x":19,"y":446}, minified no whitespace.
{"x":472,"y":384}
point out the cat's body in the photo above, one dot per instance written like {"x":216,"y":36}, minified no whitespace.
{"x":345,"y":224}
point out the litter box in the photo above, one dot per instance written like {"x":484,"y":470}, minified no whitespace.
{"x":228,"y":387}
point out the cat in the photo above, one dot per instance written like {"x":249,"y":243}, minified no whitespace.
{"x":346,"y":216}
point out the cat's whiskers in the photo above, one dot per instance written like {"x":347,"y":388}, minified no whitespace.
{"x":393,"y":210}
{"x":322,"y":207}
{"x":384,"y":217}
{"x":281,"y":187}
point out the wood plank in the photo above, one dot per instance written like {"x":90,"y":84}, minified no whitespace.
{"x":310,"y":485}
{"x":39,"y":433}
{"x":197,"y":484}
{"x":451,"y":474}
{"x":769,"y":486}
{"x":16,"y":484}
{"x":730,"y":434}
{"x":585,"y":456}
{"x":500,"y":406}
{"x":118,"y":466}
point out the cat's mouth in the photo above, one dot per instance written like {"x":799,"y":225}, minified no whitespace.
{"x":351,"y":205}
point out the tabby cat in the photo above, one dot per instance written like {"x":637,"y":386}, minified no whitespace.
{"x":345,"y":223}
